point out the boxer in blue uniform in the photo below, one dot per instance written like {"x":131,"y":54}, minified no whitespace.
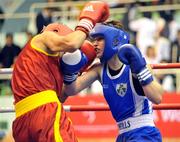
{"x":128,"y":84}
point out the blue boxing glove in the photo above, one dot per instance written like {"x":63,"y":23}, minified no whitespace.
{"x":71,"y":63}
{"x":131,"y":55}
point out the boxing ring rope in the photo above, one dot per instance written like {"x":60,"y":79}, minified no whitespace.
{"x":71,"y":108}
{"x":153,"y":66}
{"x":165,"y":66}
{"x":75,"y":108}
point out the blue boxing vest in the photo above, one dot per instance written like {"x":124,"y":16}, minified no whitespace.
{"x":120,"y":93}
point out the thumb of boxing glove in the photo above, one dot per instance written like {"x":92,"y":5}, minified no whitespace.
{"x":88,"y":49}
{"x":123,"y":54}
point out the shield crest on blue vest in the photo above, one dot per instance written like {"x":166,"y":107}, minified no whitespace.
{"x":121,"y":89}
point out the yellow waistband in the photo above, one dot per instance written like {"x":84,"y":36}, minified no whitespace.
{"x":35,"y":101}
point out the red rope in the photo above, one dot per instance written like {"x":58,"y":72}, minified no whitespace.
{"x":166,"y":107}
{"x":106,"y":108}
{"x":165,"y":66}
{"x":73,"y":108}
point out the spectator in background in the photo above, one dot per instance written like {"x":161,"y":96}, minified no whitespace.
{"x":43,"y":19}
{"x":151,"y":55}
{"x":162,"y":42}
{"x":1,"y":20}
{"x":29,"y":35}
{"x":9,"y":52}
{"x":146,"y":30}
{"x":166,"y":80}
{"x":8,"y":56}
{"x":171,"y":25}
{"x":166,"y":14}
{"x":54,"y":16}
{"x":175,"y":49}
{"x":131,"y":14}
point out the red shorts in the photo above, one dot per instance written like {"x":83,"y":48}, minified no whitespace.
{"x":37,"y":125}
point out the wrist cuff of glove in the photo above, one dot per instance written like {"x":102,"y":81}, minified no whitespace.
{"x":85,"y":25}
{"x":145,"y":77}
{"x":69,"y":78}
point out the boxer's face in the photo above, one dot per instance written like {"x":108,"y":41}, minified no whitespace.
{"x":98,"y":43}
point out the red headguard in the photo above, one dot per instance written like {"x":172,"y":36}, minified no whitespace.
{"x":60,"y":29}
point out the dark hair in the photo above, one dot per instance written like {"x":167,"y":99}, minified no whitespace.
{"x":147,"y":15}
{"x":115,"y":24}
{"x":9,"y":35}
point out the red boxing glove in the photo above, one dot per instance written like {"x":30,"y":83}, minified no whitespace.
{"x":92,"y":13}
{"x":88,"y":49}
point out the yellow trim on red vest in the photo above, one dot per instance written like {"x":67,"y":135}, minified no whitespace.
{"x":40,"y":50}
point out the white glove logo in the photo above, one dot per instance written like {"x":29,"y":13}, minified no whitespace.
{"x":89,"y":8}
{"x":125,"y":37}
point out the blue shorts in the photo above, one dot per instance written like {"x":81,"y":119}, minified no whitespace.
{"x":143,"y":134}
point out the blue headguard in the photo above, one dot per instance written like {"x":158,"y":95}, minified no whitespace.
{"x":113,"y":37}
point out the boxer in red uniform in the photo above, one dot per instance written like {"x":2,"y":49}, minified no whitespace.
{"x":37,"y":79}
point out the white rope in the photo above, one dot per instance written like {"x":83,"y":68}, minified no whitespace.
{"x":6,"y":70}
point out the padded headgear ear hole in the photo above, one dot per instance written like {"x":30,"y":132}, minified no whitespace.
{"x":60,"y":29}
{"x":56,"y":31}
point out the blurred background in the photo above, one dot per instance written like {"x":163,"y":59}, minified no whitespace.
{"x":154,"y":27}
